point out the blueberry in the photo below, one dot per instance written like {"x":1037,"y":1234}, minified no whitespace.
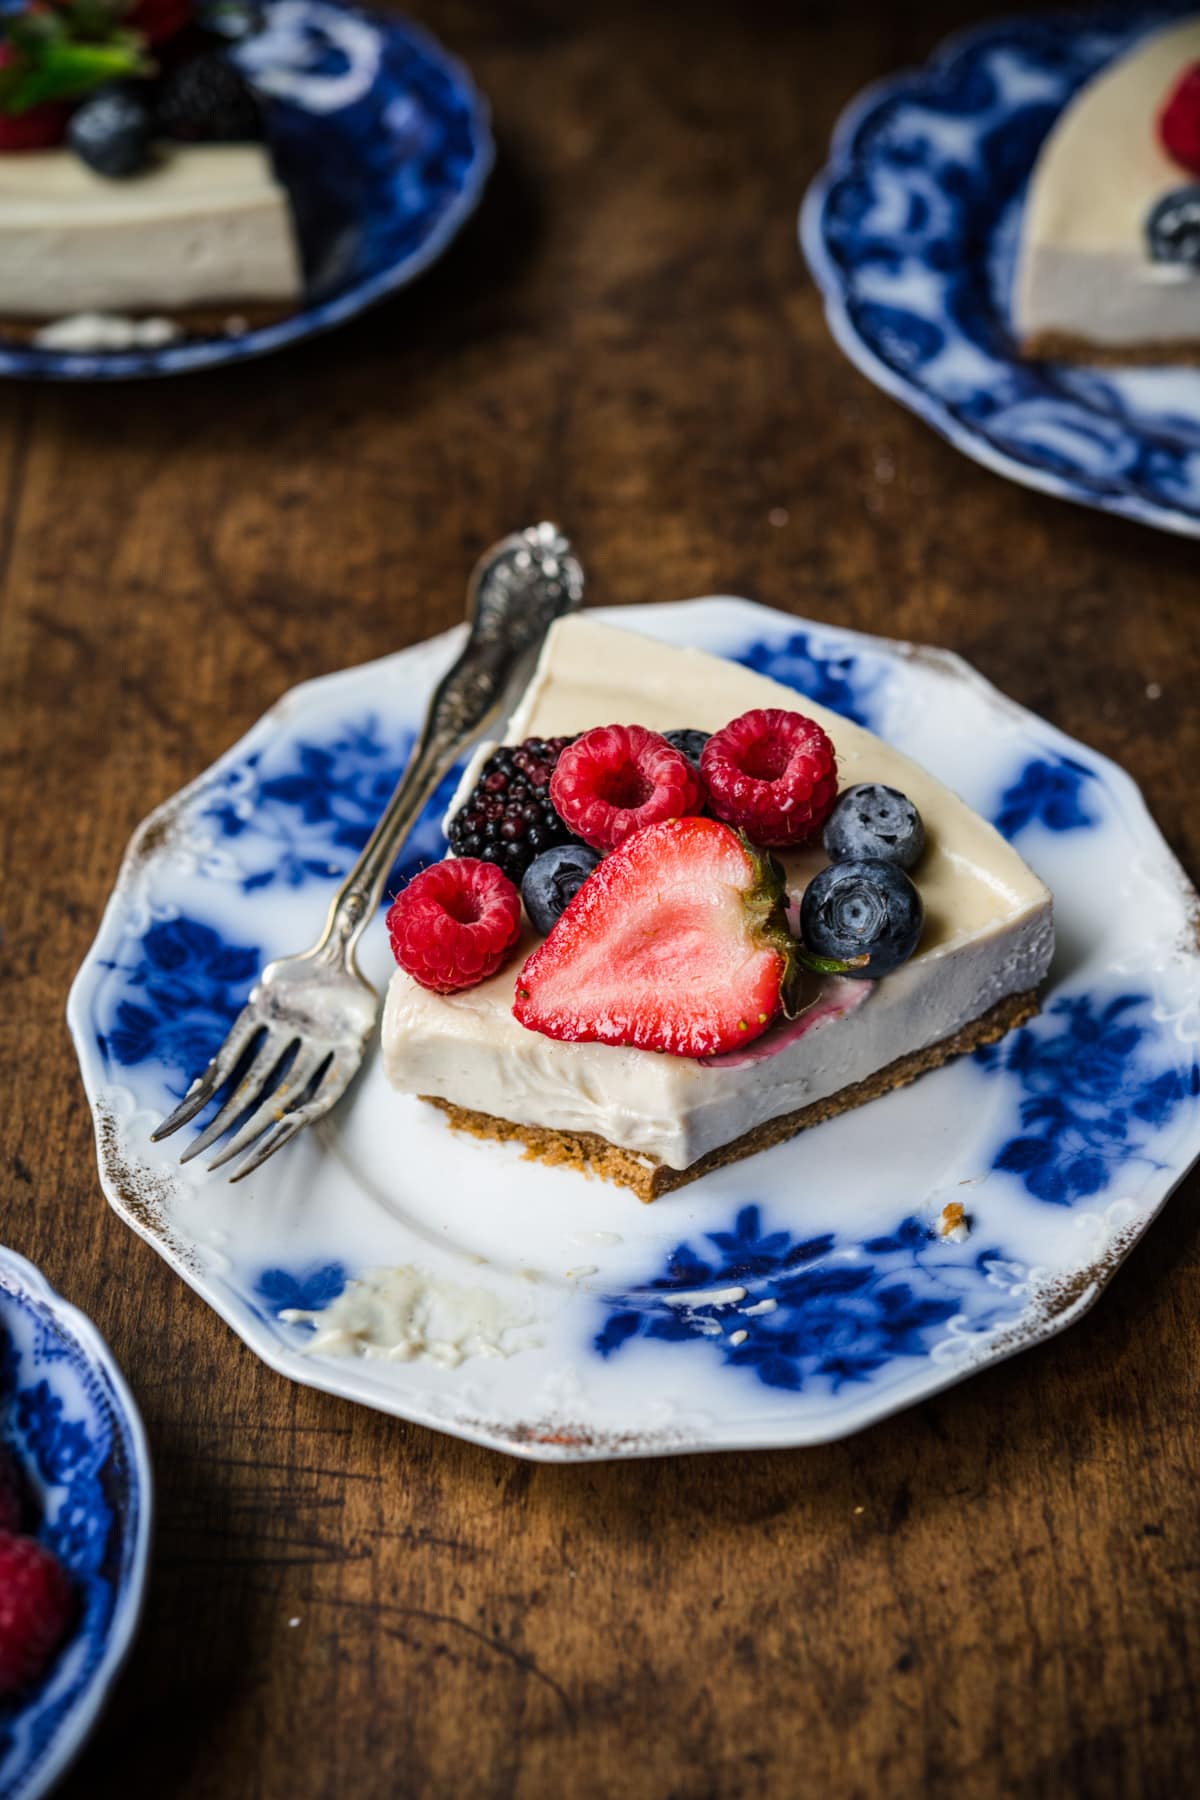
{"x":112,"y":129}
{"x":875,"y":821}
{"x":552,"y":881}
{"x":689,"y":743}
{"x":862,"y":907}
{"x":1173,"y":228}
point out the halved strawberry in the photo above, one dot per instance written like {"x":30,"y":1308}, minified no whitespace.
{"x":1179,"y":120}
{"x":677,"y":942}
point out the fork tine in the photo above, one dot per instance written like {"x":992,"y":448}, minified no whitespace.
{"x":274,"y":1138}
{"x":322,"y":1095}
{"x":246,"y":1026}
{"x":266,"y":1060}
{"x":298,"y":1085}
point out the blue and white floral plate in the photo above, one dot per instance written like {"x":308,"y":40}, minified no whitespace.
{"x":789,"y":1299}
{"x":385,"y":146}
{"x":71,"y":1421}
{"x":911,"y":232}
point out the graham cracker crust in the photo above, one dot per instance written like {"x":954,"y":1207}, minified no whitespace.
{"x":1061,"y":346}
{"x":587,"y":1151}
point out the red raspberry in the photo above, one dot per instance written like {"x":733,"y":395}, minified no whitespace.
{"x":620,"y":778}
{"x":772,"y":773}
{"x":10,"y":1492}
{"x":35,"y":1609}
{"x":1179,"y":121}
{"x":455,"y":923}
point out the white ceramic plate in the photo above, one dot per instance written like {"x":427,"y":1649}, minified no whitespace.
{"x":826,"y":1299}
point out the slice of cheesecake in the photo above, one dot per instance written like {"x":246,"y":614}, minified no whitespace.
{"x":204,"y":226}
{"x":1088,"y":286}
{"x":653,"y":1121}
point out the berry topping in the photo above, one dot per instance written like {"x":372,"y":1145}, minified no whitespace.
{"x":677,"y":942}
{"x":552,"y":881}
{"x":53,"y":55}
{"x":1173,"y":228}
{"x":863,"y":907}
{"x":10,"y":1492}
{"x":1179,"y":121}
{"x":508,"y":818}
{"x":112,"y":129}
{"x":205,"y":101}
{"x":455,"y":923}
{"x":773,"y":773}
{"x":689,"y":743}
{"x":873,"y":820}
{"x":618,"y":779}
{"x":35,"y":1610}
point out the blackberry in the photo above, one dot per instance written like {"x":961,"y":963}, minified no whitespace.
{"x":206,"y":101}
{"x":689,"y":743}
{"x":508,"y":819}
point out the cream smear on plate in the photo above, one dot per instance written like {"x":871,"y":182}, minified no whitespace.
{"x":407,"y":1315}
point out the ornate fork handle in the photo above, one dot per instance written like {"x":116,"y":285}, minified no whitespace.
{"x":516,"y":592}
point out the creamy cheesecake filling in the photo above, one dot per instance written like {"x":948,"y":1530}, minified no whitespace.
{"x":1085,"y":272}
{"x":204,"y":225}
{"x":988,"y":935}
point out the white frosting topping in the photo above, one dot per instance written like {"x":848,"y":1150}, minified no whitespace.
{"x":1084,"y":267}
{"x":988,"y":934}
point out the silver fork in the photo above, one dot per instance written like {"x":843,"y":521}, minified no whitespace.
{"x":299,"y":1040}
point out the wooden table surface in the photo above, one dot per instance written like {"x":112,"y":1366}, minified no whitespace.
{"x":995,"y":1593}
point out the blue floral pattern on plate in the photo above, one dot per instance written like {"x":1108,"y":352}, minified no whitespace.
{"x":314,"y":810}
{"x":1049,"y":791}
{"x":306,"y":1291}
{"x":848,"y":684}
{"x":68,"y":1417}
{"x":797,"y":1311}
{"x":1070,"y":1132}
{"x":183,"y":987}
{"x":911,"y":232}
{"x":1090,"y":1099}
{"x":384,"y":145}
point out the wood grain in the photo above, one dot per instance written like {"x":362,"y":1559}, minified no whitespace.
{"x":994,"y":1594}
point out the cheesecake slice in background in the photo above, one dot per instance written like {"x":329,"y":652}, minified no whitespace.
{"x":203,"y":226}
{"x":1109,"y":261}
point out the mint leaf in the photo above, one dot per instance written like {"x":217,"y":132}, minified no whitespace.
{"x":62,"y":70}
